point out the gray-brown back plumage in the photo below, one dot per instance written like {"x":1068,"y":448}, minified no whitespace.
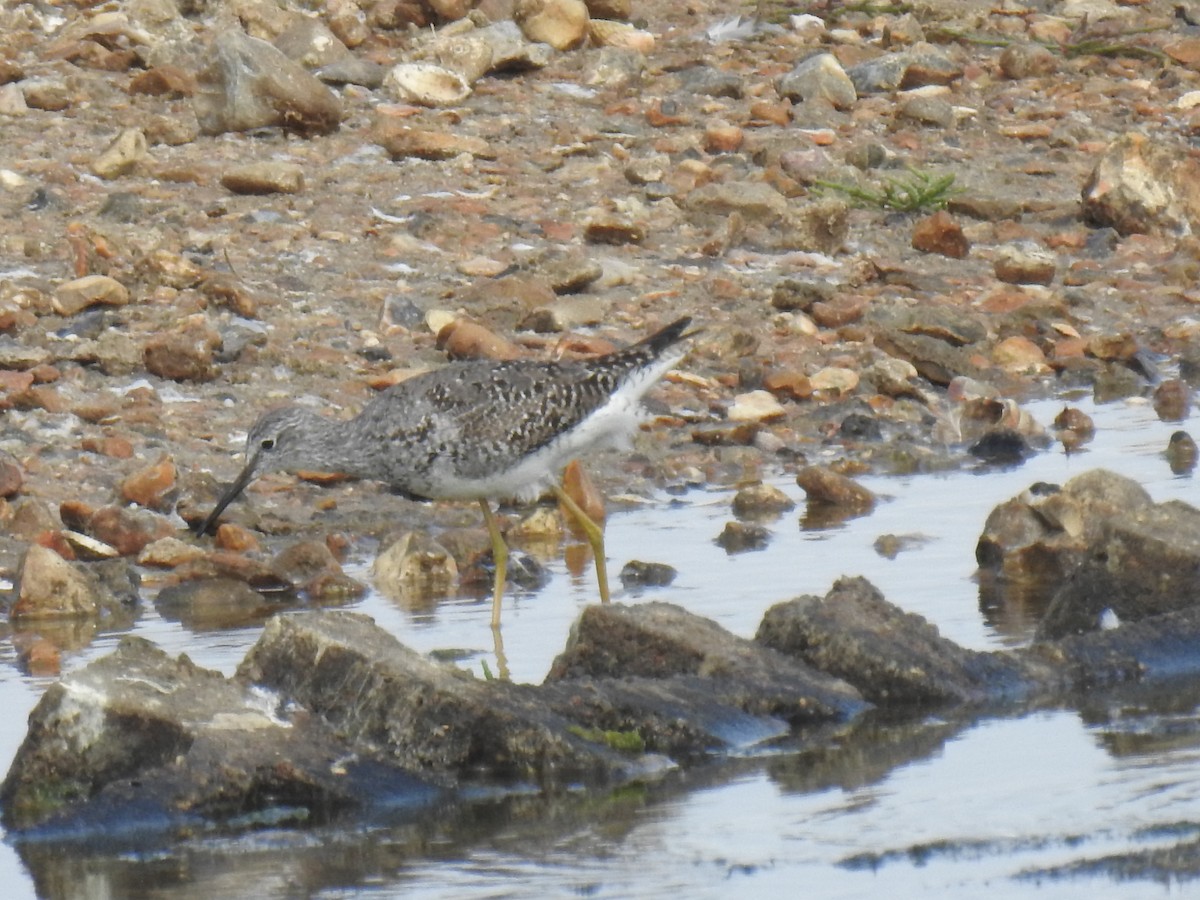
{"x":477,"y":429}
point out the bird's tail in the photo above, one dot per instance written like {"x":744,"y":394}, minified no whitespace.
{"x":649,"y":358}
{"x":656,"y":343}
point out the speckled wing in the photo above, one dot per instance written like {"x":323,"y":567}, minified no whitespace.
{"x":516,"y":408}
{"x":473,"y":420}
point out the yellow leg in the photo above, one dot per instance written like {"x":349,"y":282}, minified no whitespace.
{"x":595,"y":537}
{"x":501,"y":659}
{"x":499,"y":557}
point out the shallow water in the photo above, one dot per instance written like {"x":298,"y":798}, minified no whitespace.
{"x":932,"y":809}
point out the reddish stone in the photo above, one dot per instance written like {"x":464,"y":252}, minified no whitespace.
{"x":45,"y":373}
{"x":841,"y":310}
{"x":339,"y":545}
{"x":163,"y":80}
{"x":1185,"y":51}
{"x":236,"y":539}
{"x":1019,"y":354}
{"x":578,"y":485}
{"x":1004,"y":300}
{"x":793,"y":384}
{"x":767,"y":112}
{"x":15,"y":382}
{"x":75,"y":514}
{"x":11,"y":477}
{"x":1027,"y":131}
{"x":96,"y":409}
{"x":1113,"y":347}
{"x":57,"y":541}
{"x":557,"y":230}
{"x":1083,"y":271}
{"x":823,"y":485}
{"x":1069,"y":348}
{"x":1172,"y":400}
{"x":722,"y":138}
{"x":113,"y":447}
{"x":464,"y":339}
{"x":940,"y":233}
{"x":152,"y":487}
{"x":183,"y":355}
{"x":660,"y":114}
{"x":37,"y":656}
{"x":127,"y":530}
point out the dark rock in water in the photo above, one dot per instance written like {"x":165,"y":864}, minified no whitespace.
{"x":892,"y":657}
{"x":1001,"y":447}
{"x":206,"y":604}
{"x":311,"y":568}
{"x":526,"y":572}
{"x":825,"y":486}
{"x":739,"y":537}
{"x":1137,"y":565}
{"x":1116,"y":381}
{"x":1181,"y":453}
{"x":422,"y":715}
{"x":761,"y":501}
{"x":660,"y":640}
{"x":1044,"y":534}
{"x":329,"y":715}
{"x":1156,"y":648}
{"x":636,"y":573}
{"x":1172,"y":400}
{"x":1099,"y":544}
{"x":138,"y":741}
{"x":861,"y":427}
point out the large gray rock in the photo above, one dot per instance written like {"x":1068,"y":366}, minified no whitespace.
{"x":892,"y":657}
{"x":661,"y":640}
{"x":1141,"y":184}
{"x":251,"y":84}
{"x":423,"y":715}
{"x":819,"y":77}
{"x":1141,"y":563}
{"x":139,"y":740}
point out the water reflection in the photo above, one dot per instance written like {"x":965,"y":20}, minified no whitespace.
{"x":944,"y":806}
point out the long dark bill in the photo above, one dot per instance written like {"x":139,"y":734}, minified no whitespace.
{"x":231,"y":494}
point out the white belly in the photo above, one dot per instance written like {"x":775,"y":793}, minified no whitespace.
{"x":611,"y":425}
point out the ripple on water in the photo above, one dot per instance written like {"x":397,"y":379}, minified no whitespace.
{"x":970,"y":808}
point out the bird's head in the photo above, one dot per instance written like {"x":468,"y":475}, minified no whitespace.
{"x":285,"y":439}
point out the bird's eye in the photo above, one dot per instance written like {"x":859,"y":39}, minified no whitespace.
{"x":268,"y":443}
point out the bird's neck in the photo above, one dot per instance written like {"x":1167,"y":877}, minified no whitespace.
{"x":331,"y":447}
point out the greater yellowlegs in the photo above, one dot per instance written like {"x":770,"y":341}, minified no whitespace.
{"x":477,"y":430}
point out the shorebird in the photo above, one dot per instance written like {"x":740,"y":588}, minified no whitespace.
{"x":477,"y":430}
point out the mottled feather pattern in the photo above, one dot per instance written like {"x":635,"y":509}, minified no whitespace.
{"x":471,"y":429}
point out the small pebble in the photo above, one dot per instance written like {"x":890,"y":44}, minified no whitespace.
{"x":823,"y":485}
{"x":755,"y":406}
{"x":1172,"y":400}
{"x":636,"y":573}
{"x":1181,"y":453}
{"x":1002,"y":446}
{"x":122,"y":155}
{"x":940,"y":233}
{"x":153,"y":487}
{"x":739,"y":537}
{"x":761,"y":500}
{"x":265,"y":178}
